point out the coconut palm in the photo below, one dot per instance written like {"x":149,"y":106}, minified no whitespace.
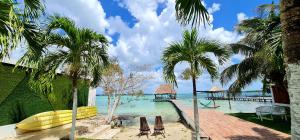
{"x":191,"y":11}
{"x":194,"y":51}
{"x":290,"y":16}
{"x":262,"y":50}
{"x":81,"y":50}
{"x":18,"y":21}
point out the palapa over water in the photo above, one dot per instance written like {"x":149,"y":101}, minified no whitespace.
{"x":164,"y":92}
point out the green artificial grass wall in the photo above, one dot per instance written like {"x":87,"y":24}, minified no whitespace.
{"x":18,"y":101}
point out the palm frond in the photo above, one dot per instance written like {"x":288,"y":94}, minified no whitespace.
{"x":207,"y":64}
{"x":213,"y":46}
{"x":242,"y":49}
{"x":229,"y":73}
{"x":33,"y":8}
{"x":191,"y":12}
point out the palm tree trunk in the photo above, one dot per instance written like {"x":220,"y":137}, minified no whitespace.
{"x":213,"y":98}
{"x":196,"y":113}
{"x":229,"y":101}
{"x":74,"y":109}
{"x":290,"y":19}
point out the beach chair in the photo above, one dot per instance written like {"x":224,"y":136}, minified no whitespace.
{"x":279,"y":111}
{"x":263,"y":111}
{"x":144,"y":127}
{"x":272,"y":111}
{"x":158,"y":126}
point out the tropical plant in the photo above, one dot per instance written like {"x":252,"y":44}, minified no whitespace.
{"x":194,"y":51}
{"x":17,"y":23}
{"x":81,"y":50}
{"x":262,"y":49}
{"x":191,"y":12}
{"x":290,"y":41}
{"x":290,"y":16}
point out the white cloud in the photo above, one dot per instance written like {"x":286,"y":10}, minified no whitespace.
{"x":150,"y":35}
{"x":85,"y":13}
{"x":214,"y":8}
{"x":241,"y":16}
{"x":145,"y":41}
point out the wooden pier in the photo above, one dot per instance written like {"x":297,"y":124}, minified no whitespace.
{"x":253,"y":99}
{"x":219,"y":126}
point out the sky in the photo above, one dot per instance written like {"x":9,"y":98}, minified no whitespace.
{"x":139,"y":30}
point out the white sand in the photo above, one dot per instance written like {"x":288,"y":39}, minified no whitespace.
{"x":174,"y":131}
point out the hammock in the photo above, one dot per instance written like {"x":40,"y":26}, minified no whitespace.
{"x":207,"y":105}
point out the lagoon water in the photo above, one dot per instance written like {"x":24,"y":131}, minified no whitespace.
{"x":137,"y":106}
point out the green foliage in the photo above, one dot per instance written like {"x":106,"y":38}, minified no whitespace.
{"x":19,"y":101}
{"x":194,"y":51}
{"x":262,"y":48}
{"x":191,"y":12}
{"x":137,"y":93}
{"x":18,"y":20}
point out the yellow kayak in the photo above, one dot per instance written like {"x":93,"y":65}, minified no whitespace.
{"x":51,"y":119}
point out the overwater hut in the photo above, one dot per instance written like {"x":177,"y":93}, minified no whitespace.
{"x":164,"y":92}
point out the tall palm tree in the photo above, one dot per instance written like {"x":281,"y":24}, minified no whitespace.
{"x":186,"y":10}
{"x":262,"y":50}
{"x":19,"y":21}
{"x":83,"y":52}
{"x":290,"y":16}
{"x":194,"y":51}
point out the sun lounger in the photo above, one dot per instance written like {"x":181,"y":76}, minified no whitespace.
{"x":158,"y":126}
{"x":270,"y":110}
{"x":144,"y":127}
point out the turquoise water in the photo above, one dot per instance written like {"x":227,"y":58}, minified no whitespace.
{"x":140,"y":106}
{"x":144,"y":106}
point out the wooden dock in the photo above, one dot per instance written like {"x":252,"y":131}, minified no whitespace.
{"x":252,"y":99}
{"x":219,"y":126}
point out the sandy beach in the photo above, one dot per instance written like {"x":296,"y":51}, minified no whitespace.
{"x":173,"y":131}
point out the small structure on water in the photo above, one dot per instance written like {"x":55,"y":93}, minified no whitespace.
{"x":164,"y":93}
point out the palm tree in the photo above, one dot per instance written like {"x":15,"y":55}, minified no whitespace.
{"x":187,"y":11}
{"x":290,"y":15}
{"x":18,"y":21}
{"x":262,"y":50}
{"x":193,"y":51}
{"x":191,"y":11}
{"x":83,"y":52}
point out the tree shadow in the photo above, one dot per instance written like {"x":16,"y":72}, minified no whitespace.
{"x":264,"y":134}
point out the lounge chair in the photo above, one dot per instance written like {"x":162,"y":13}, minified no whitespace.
{"x":144,"y":127}
{"x":270,"y":110}
{"x":279,"y":111}
{"x":263,"y":111}
{"x":158,"y":126}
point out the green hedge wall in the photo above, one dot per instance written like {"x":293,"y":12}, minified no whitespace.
{"x":18,"y":101}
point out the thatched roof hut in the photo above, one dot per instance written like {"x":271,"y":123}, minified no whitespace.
{"x":164,"y":92}
{"x":216,"y":89}
{"x":165,"y":89}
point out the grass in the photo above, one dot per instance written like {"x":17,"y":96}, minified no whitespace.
{"x":276,"y":124}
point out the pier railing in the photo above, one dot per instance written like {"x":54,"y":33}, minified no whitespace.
{"x":253,"y":99}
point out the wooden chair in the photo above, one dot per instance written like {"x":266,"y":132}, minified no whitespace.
{"x":144,"y":127}
{"x":158,"y":126}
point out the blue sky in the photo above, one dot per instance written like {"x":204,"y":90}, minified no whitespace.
{"x":139,"y":30}
{"x":225,"y":18}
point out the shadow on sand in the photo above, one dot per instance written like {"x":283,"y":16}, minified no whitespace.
{"x":264,"y":134}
